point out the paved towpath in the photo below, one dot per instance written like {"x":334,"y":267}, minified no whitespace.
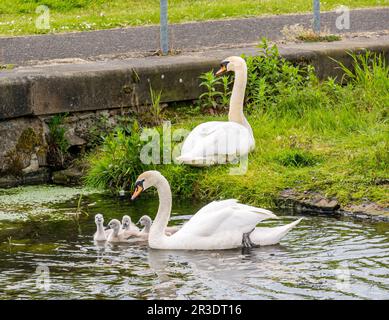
{"x":134,"y":41}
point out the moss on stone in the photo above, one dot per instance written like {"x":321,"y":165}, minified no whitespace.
{"x":14,"y":163}
{"x":28,"y":140}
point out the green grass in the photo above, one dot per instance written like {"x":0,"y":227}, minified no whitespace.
{"x":17,"y":17}
{"x":310,"y":136}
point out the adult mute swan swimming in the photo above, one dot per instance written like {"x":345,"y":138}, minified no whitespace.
{"x":222,"y":224}
{"x":218,"y":142}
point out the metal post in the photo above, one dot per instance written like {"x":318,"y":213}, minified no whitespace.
{"x":164,"y":28}
{"x":316,"y":16}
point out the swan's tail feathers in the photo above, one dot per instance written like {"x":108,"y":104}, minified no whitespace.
{"x":195,"y":161}
{"x":270,"y":236}
{"x":294,"y":223}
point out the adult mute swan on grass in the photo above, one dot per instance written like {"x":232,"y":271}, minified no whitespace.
{"x":222,"y":224}
{"x":218,"y":142}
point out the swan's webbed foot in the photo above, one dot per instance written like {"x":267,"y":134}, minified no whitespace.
{"x":246,"y":241}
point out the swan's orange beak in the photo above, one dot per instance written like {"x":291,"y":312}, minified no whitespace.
{"x":137,"y":192}
{"x":222,"y":70}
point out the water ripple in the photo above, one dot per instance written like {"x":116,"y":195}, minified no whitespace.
{"x":322,"y":258}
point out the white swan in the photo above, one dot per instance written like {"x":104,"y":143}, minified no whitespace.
{"x":222,"y":224}
{"x":128,"y":227}
{"x":218,"y":142}
{"x":117,"y":234}
{"x":147,"y":222}
{"x":101,"y":234}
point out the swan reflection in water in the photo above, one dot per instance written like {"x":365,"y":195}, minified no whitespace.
{"x":178,"y":274}
{"x":226,"y":273}
{"x":308,"y":266}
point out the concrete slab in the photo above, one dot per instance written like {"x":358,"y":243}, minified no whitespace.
{"x":57,"y":88}
{"x":185,"y":36}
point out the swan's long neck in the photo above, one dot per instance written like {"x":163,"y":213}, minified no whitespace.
{"x":100,"y":229}
{"x":157,"y":230}
{"x":237,"y":98}
{"x":147,"y":227}
{"x":116,"y":232}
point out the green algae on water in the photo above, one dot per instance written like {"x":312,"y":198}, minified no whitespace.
{"x":40,"y":195}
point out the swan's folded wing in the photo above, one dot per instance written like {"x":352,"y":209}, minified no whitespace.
{"x":202,"y":223}
{"x":215,"y":206}
{"x":225,"y":216}
{"x":243,"y":218}
{"x":197,"y":134}
{"x":207,"y":128}
{"x":217,"y":138}
{"x":211,"y":209}
{"x":266,"y":214}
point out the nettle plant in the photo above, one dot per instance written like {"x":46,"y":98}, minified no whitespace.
{"x":218,"y":91}
{"x":270,"y":76}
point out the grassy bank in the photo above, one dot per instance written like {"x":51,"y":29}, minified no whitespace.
{"x":17,"y":17}
{"x":310,"y":136}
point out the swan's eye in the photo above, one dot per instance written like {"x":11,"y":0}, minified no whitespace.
{"x":223,"y":68}
{"x":139,"y":183}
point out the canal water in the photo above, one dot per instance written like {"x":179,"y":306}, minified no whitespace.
{"x":47,"y":252}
